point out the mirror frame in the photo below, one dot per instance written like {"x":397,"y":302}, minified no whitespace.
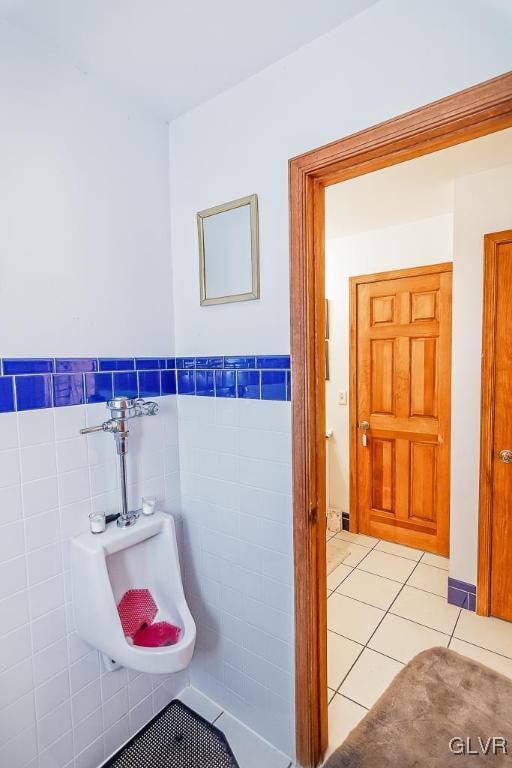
{"x":252,"y":202}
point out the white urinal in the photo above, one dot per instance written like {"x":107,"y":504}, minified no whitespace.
{"x":105,"y":566}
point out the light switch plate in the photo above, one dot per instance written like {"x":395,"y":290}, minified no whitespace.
{"x":342,"y":398}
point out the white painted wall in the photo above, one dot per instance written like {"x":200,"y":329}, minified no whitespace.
{"x":482,"y":204}
{"x":379,"y":64}
{"x":417,"y":243}
{"x":84,"y":270}
{"x":83,"y":195}
{"x":84,"y":236}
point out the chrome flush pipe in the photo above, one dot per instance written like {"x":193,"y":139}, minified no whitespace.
{"x":122,"y":409}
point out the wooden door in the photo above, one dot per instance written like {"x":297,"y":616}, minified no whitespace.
{"x":495,"y":588}
{"x":402,"y":326}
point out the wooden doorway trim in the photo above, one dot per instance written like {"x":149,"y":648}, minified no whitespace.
{"x":466,"y":115}
{"x":491,"y":244}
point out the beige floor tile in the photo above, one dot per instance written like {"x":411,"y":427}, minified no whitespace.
{"x":354,"y":620}
{"x":370,"y":588}
{"x":389,"y":566}
{"x":343,"y":716}
{"x":402,"y":639}
{"x":425,"y":608}
{"x":399,"y":550}
{"x":358,"y":538}
{"x":335,"y":578}
{"x":436,"y":560}
{"x":369,"y":677}
{"x":492,"y":634}
{"x":492,"y":660}
{"x":430,"y":579}
{"x":341,"y":654}
{"x":337,"y":552}
{"x":357,"y":553}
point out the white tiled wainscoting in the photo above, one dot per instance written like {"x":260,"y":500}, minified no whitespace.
{"x":235,"y":459}
{"x":58,"y":708}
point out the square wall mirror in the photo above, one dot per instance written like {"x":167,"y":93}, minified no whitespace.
{"x":229,"y":252}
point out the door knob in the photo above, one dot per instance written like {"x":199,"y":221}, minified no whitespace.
{"x":364,"y":425}
{"x":506,"y":456}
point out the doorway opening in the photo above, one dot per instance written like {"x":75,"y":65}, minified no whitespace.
{"x":471,"y":114}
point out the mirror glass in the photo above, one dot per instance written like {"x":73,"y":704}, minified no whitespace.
{"x":228,"y":251}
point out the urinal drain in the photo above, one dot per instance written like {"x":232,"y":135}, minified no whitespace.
{"x":176,"y":738}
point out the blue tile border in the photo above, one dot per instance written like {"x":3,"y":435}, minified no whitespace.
{"x":47,"y":382}
{"x":461,"y":594}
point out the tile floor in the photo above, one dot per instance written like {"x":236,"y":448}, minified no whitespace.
{"x":385,"y":604}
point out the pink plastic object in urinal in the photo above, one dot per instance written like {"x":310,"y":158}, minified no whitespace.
{"x":157,"y":635}
{"x":136,"y":609}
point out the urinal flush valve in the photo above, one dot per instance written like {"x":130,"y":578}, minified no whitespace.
{"x":122,"y":409}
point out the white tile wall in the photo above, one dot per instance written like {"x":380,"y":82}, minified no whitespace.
{"x":237,"y":544}
{"x":58,"y":708}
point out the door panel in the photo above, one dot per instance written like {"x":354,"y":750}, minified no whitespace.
{"x":501,"y":534}
{"x":383,"y":475}
{"x":423,"y":460}
{"x":403,"y":341}
{"x":382,"y":366}
{"x":424,"y":367}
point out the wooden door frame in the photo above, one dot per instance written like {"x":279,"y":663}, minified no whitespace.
{"x":354,"y":282}
{"x":491,"y":243}
{"x":474,"y":112}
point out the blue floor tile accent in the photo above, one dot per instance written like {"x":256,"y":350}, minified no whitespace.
{"x":461,"y":594}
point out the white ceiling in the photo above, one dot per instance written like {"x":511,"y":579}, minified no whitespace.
{"x":172,"y":55}
{"x":417,"y":189}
